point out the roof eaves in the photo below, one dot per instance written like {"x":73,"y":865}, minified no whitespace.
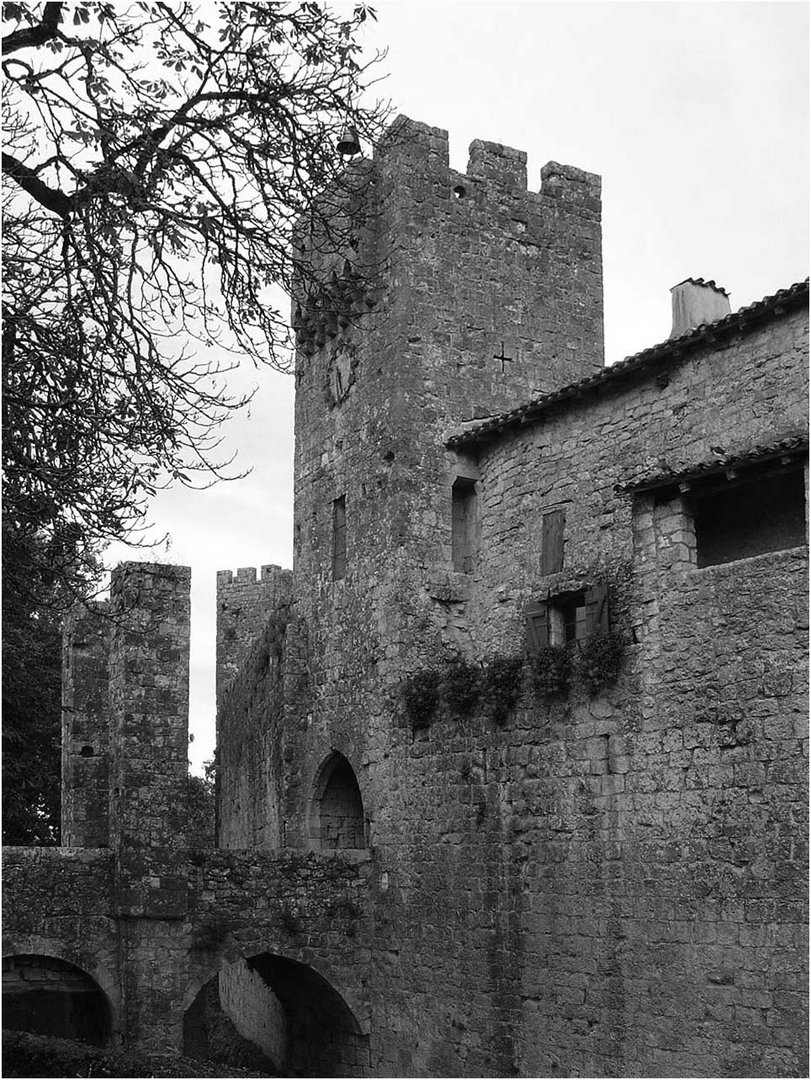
{"x":668,"y":350}
{"x":791,"y":448}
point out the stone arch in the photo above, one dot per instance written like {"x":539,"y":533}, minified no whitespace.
{"x":336,"y":812}
{"x":48,"y":995}
{"x":280,"y":1008}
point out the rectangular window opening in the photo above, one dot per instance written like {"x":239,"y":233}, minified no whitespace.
{"x":749,"y":518}
{"x":464,"y":525}
{"x":339,"y":538}
{"x":566,"y":618}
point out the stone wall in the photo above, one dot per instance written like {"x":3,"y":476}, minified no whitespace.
{"x":86,"y":727}
{"x":249,"y":748}
{"x":302,"y":922}
{"x":584,"y":859}
{"x":58,"y":904}
{"x":48,"y":996}
{"x":559,"y":885}
{"x":257,"y":1013}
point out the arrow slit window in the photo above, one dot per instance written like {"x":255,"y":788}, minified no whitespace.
{"x":339,"y":538}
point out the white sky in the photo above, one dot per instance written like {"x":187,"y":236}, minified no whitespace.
{"x":694,"y":114}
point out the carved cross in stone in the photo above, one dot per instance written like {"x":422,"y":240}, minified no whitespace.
{"x":504,"y":359}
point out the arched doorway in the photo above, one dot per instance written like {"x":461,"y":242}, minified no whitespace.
{"x":48,"y":996}
{"x":336,"y":819}
{"x":279,"y":1008}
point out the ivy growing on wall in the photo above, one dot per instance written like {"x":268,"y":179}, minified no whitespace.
{"x":600,"y":659}
{"x":502,"y":686}
{"x":211,"y":933}
{"x":420,"y":694}
{"x":493,"y":686}
{"x":552,"y":670}
{"x":461,"y":686}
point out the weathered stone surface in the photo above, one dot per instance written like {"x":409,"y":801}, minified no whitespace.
{"x":601,"y":874}
{"x":559,"y":887}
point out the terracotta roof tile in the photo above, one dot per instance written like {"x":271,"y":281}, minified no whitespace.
{"x":793,"y":445}
{"x":701,"y":281}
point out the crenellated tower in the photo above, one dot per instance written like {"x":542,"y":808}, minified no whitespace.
{"x":450,"y":296}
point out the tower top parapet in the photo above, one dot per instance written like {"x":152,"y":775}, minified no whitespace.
{"x":411,"y":141}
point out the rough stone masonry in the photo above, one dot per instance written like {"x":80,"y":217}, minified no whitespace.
{"x":512,"y":768}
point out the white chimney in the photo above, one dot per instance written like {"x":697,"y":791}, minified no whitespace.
{"x":696,"y":301}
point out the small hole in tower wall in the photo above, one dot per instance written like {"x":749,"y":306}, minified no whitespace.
{"x":459,"y":192}
{"x":86,"y":751}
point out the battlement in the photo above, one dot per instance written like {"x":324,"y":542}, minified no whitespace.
{"x":412,"y":146}
{"x":245,"y":601}
{"x":246,"y":575}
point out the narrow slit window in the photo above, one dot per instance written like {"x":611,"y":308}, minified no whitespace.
{"x":552,"y":541}
{"x":464,"y":525}
{"x":339,"y":538}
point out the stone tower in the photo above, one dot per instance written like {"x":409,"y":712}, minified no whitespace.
{"x":455,"y":296}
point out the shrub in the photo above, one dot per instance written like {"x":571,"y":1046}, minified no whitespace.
{"x":460,"y":686}
{"x":601,"y":659}
{"x":420,"y":693}
{"x":552,"y":671}
{"x":502,"y":681}
{"x":347,"y":910}
{"x":211,"y":933}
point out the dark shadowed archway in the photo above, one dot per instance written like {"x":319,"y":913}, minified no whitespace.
{"x":336,"y":817}
{"x":48,"y":996}
{"x":324,"y":1037}
{"x":280,"y":1009}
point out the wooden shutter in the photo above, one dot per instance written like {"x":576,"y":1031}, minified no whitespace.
{"x":552,"y":541}
{"x":537,"y":620}
{"x":596,"y":611}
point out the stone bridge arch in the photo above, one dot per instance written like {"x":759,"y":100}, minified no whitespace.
{"x":285,"y":1006}
{"x":47,"y":992}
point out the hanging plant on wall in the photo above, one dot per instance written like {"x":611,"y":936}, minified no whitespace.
{"x":461,"y":686}
{"x":601,"y":659}
{"x":552,"y":670}
{"x":502,"y":686}
{"x":420,"y":694}
{"x":211,"y":933}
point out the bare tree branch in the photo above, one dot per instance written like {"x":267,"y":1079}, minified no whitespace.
{"x":32,"y":36}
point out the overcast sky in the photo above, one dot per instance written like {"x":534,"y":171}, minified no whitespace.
{"x":694,"y":114}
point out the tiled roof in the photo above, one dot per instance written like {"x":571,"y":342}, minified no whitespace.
{"x":792,"y":446}
{"x":666,"y":352}
{"x":700,"y":281}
